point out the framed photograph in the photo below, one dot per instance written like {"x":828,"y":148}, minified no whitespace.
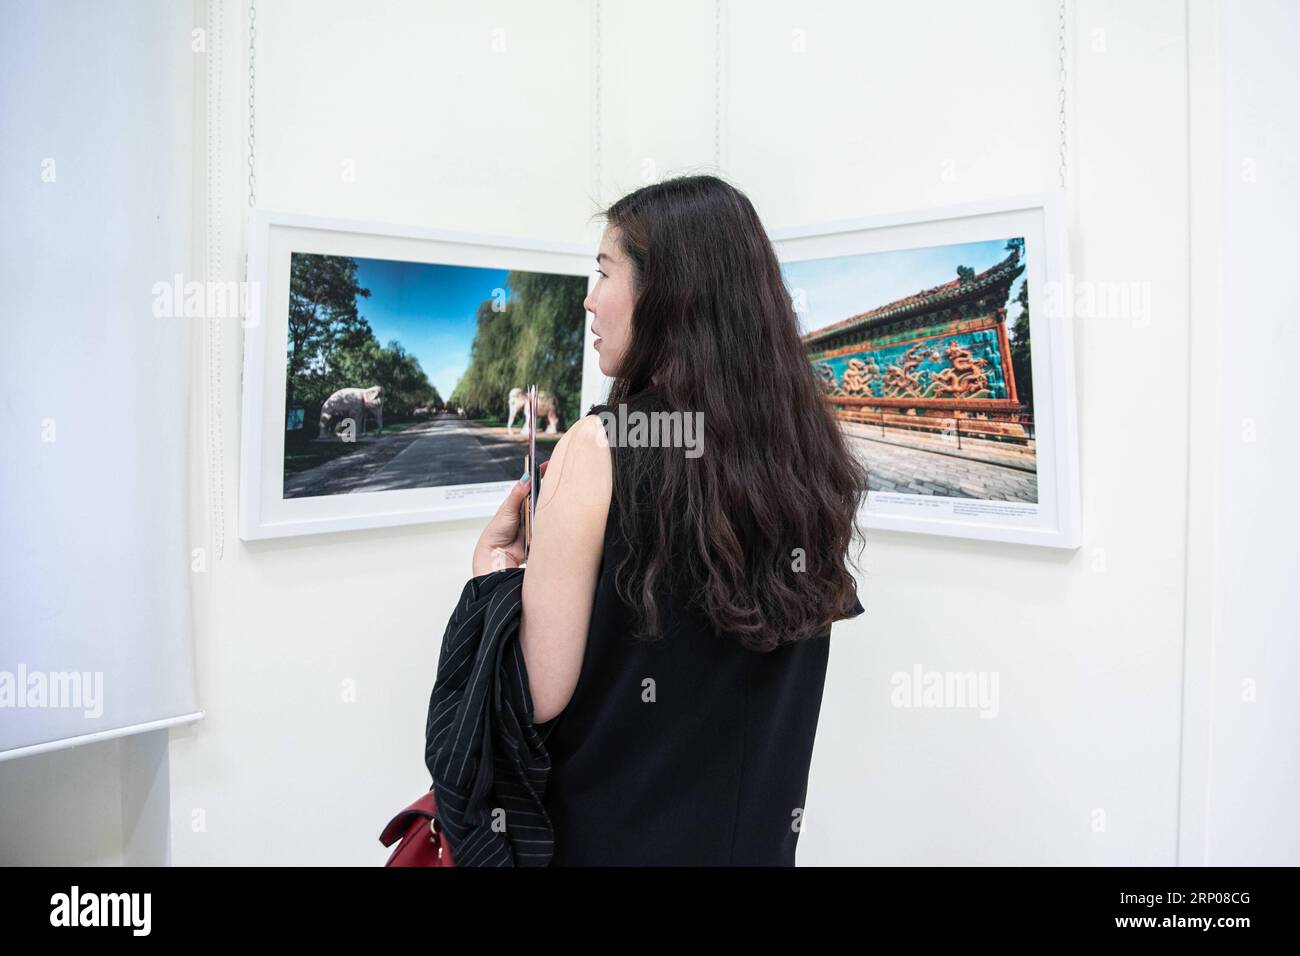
{"x":385,"y":370}
{"x":943,"y":342}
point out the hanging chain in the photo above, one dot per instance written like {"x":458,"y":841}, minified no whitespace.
{"x":215,"y":252}
{"x":717,"y":85}
{"x":599,"y":173}
{"x":252,"y":90}
{"x":1061,"y":79}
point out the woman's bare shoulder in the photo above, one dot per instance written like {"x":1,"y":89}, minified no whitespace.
{"x":580,"y":470}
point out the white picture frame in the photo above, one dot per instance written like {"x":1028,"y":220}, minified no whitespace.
{"x":1053,"y":519}
{"x":273,"y":236}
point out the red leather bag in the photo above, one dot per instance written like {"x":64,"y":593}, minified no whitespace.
{"x":423,"y":842}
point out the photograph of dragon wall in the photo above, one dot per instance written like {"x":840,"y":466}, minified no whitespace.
{"x":924,"y":357}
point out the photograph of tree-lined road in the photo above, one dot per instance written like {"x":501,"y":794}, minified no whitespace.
{"x":440,"y":403}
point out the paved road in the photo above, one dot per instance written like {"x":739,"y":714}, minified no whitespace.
{"x":445,"y":451}
{"x":451,"y":451}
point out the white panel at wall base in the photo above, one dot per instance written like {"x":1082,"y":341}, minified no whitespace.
{"x":95,"y":156}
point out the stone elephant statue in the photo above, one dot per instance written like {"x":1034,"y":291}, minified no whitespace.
{"x":546,"y":408}
{"x":353,"y":404}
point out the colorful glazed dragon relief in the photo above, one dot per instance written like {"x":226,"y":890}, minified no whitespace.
{"x":965,"y":376}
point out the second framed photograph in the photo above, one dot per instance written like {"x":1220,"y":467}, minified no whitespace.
{"x":944,"y":344}
{"x":386,"y":367}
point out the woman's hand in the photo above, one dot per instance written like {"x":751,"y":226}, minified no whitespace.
{"x":501,"y":545}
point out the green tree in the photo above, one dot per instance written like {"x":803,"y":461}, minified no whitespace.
{"x":332,"y":346}
{"x":1021,"y":366}
{"x":537,"y":337}
{"x":323,"y":317}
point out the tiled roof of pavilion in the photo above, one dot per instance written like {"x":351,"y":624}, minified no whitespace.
{"x":927,"y":300}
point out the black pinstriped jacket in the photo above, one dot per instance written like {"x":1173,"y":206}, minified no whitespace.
{"x":488,"y":761}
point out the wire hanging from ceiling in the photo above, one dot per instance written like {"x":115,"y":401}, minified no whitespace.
{"x":214,"y":256}
{"x":598,"y":132}
{"x":1061,"y":78}
{"x":717,"y":85}
{"x":252,"y":97}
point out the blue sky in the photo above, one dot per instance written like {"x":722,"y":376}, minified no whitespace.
{"x":842,"y":286}
{"x":431,"y":309}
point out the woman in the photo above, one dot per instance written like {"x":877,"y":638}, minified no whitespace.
{"x":678,"y":682}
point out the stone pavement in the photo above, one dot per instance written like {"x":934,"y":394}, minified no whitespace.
{"x":908,"y":469}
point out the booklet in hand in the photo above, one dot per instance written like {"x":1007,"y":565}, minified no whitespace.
{"x":530,"y":466}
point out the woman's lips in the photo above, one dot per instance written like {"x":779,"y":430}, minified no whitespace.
{"x":597,"y":343}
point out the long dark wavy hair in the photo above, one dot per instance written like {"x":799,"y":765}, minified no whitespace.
{"x":758,"y":525}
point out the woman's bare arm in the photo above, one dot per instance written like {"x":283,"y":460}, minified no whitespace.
{"x":563,"y":565}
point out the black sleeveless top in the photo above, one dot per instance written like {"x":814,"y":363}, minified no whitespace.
{"x":688,"y":751}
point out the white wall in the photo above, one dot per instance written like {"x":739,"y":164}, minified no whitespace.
{"x":889,"y":108}
{"x":444,"y":132}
